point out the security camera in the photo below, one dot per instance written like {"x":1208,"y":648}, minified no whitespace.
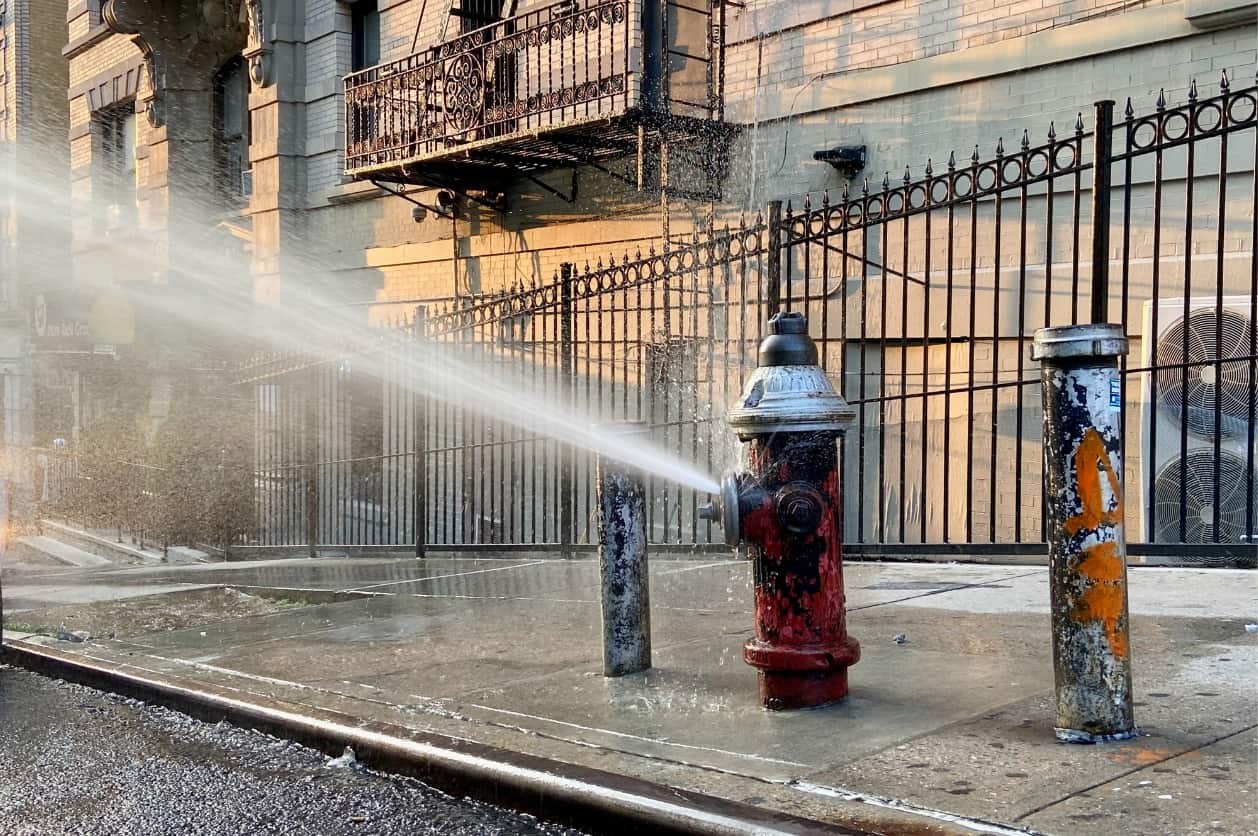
{"x":418,"y":213}
{"x":445,"y":199}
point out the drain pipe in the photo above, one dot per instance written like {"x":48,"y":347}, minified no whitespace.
{"x":622,"y":563}
{"x":1083,"y":487}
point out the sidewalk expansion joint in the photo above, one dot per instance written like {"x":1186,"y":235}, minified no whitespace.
{"x":954,"y":588}
{"x":976,"y":825}
{"x":1132,"y":771}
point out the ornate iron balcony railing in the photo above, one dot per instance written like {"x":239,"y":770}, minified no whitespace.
{"x":556,"y":67}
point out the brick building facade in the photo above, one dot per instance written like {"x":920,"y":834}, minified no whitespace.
{"x":907,"y":80}
{"x":32,"y":145}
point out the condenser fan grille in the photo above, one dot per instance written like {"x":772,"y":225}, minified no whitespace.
{"x":1188,"y":485}
{"x":1193,"y":393}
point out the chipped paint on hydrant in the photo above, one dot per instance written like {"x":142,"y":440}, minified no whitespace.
{"x":1082,"y":397}
{"x":785,"y":509}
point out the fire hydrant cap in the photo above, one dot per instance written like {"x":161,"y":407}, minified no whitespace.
{"x":788,"y":343}
{"x":789,"y":392}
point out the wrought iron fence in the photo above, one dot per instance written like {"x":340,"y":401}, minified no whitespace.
{"x":923,"y":292}
{"x":117,"y":498}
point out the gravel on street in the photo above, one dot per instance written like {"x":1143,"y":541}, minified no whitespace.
{"x":75,"y":760}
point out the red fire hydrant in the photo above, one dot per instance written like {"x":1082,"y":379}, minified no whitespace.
{"x":785,"y":508}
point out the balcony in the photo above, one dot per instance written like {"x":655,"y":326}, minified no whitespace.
{"x":568,"y":84}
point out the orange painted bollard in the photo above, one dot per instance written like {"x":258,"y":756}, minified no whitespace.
{"x":1083,"y":488}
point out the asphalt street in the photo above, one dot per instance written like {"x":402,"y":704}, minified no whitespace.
{"x":75,"y":760}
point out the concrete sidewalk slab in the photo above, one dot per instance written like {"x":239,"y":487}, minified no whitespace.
{"x":30,"y":598}
{"x":63,"y":553}
{"x":958,"y":718}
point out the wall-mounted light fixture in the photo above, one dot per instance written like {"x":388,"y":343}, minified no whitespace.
{"x":847,"y":160}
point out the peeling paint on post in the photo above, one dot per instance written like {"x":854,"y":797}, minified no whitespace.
{"x":622,"y":559}
{"x":1082,"y":396}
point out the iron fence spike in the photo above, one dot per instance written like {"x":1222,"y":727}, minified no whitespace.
{"x":973,"y":157}
{"x":1000,"y":146}
{"x":907,"y":178}
{"x":930,"y":167}
{"x":1130,"y":111}
{"x":952,"y":160}
{"x":1079,"y":123}
{"x":1224,"y":84}
{"x":1192,"y":90}
{"x":886,"y":180}
{"x":1052,"y":131}
{"x":1026,"y":139}
{"x":1161,"y":104}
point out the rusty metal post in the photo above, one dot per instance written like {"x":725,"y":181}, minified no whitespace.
{"x":419,"y":401}
{"x":622,"y":563}
{"x":567,"y":390}
{"x":773,"y":283}
{"x":1083,"y":488}
{"x":311,"y":498}
{"x":1103,"y":137}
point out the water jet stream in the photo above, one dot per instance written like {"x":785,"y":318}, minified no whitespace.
{"x":321,"y":328}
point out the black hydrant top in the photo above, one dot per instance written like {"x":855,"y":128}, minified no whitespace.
{"x":788,"y":343}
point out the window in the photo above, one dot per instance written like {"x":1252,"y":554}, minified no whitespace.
{"x":365,"y":31}
{"x":231,"y":130}
{"x":474,"y":14}
{"x":117,"y":170}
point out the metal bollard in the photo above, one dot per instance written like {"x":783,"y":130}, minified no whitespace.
{"x":622,"y":563}
{"x":1083,"y":485}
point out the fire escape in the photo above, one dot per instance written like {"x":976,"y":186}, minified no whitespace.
{"x":573,"y":83}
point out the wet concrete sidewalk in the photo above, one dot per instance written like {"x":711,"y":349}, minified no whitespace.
{"x":957,"y":719}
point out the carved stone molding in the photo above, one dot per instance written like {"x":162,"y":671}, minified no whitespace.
{"x":183,"y":42}
{"x":258,"y":50}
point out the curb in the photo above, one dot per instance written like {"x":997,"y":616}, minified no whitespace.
{"x":582,"y":797}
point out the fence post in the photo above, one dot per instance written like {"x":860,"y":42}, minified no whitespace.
{"x":312,"y":461}
{"x":566,"y":451}
{"x":773,"y":291}
{"x":1103,"y":142}
{"x":419,"y":513}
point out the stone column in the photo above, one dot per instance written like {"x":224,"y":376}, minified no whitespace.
{"x":276,"y":55}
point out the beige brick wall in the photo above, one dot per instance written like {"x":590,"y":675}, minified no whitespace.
{"x":774,"y":160}
{"x":834,"y":36}
{"x":114,"y":51}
